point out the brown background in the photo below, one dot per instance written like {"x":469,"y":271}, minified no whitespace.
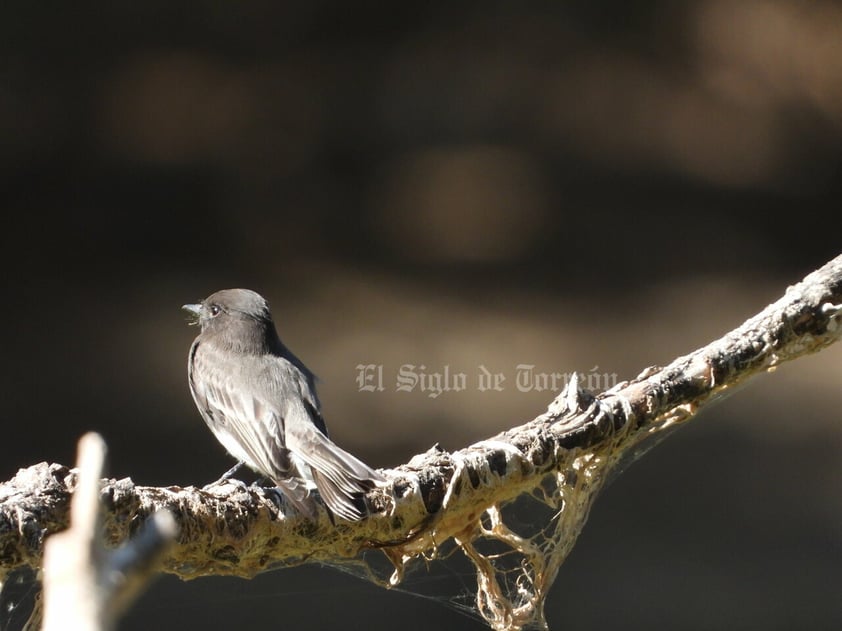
{"x":565,"y":184}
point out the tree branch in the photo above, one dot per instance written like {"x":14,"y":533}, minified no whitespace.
{"x":234,"y":530}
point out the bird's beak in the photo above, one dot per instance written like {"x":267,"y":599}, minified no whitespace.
{"x":195,"y":312}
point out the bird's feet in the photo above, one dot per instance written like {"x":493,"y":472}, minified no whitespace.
{"x":226,"y":478}
{"x":263,"y":483}
{"x":273,"y":494}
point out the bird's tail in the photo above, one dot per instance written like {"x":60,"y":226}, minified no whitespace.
{"x":341,"y":478}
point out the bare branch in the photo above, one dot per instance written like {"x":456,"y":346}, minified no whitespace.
{"x":439,"y":495}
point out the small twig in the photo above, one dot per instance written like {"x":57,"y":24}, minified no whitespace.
{"x":87,"y":586}
{"x":74,"y":597}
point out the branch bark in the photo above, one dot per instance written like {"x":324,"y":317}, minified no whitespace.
{"x":234,"y":530}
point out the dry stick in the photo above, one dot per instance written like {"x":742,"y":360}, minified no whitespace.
{"x":87,"y":586}
{"x":239,"y":531}
{"x":72,"y":558}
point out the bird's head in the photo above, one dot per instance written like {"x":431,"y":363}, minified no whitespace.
{"x":237,"y":316}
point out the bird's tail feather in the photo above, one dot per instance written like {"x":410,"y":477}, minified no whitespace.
{"x":342,"y":499}
{"x":341,"y":478}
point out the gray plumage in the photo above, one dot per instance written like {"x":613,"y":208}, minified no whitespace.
{"x":260,"y":402}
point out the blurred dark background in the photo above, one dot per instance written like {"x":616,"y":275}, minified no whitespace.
{"x":566,"y":184}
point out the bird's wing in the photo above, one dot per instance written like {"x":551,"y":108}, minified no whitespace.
{"x":243,"y":419}
{"x":303,"y":384}
{"x":340,"y":477}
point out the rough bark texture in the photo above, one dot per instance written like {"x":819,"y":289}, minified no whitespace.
{"x":234,"y":530}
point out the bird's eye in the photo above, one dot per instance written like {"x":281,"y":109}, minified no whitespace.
{"x":214,"y":311}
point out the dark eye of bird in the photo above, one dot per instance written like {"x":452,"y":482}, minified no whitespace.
{"x":214,"y":310}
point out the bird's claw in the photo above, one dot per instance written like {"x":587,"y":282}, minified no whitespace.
{"x":273,"y":494}
{"x":227,"y":479}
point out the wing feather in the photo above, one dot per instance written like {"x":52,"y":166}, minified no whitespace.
{"x":342,"y":479}
{"x":249,"y":426}
{"x":265,"y":411}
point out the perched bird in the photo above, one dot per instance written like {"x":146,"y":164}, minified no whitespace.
{"x":260,"y":402}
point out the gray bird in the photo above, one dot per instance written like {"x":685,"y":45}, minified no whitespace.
{"x":260,"y":402}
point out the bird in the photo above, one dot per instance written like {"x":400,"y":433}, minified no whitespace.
{"x":260,"y":402}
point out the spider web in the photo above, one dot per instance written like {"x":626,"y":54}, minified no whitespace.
{"x":517,"y":545}
{"x":20,"y":596}
{"x":501,"y":568}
